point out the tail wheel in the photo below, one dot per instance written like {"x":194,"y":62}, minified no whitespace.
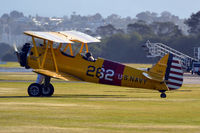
{"x":163,"y":95}
{"x":35,"y":90}
{"x":47,"y":91}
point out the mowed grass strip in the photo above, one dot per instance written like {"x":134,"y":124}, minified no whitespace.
{"x":85,"y":107}
{"x":135,"y":65}
{"x":10,"y":64}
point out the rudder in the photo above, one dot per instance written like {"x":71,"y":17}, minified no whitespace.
{"x":174,"y":73}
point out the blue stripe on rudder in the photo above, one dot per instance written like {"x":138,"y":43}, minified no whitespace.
{"x":169,"y":62}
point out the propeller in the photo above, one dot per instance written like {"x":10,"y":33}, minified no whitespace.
{"x":16,"y":52}
{"x":15,"y":47}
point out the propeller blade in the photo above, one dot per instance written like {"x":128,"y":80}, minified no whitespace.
{"x":16,"y":52}
{"x":15,"y":47}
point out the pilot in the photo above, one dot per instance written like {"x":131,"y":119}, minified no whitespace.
{"x":89,"y":56}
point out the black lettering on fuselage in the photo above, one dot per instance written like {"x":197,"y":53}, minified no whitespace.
{"x":145,"y":81}
{"x":125,"y":77}
{"x":120,"y":76}
{"x":136,"y":79}
{"x":131,"y":78}
{"x":140,"y":80}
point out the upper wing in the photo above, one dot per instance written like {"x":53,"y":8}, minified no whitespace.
{"x":63,"y":36}
{"x":53,"y":74}
{"x":79,"y":36}
{"x":51,"y":36}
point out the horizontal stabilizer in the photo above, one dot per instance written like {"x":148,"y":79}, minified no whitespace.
{"x":152,"y":77}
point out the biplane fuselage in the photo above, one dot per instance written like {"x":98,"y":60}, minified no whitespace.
{"x":98,"y":71}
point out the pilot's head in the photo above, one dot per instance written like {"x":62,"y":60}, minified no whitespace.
{"x":88,"y":54}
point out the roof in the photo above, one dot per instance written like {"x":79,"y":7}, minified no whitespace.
{"x":51,"y":36}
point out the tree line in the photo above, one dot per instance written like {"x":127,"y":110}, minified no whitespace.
{"x":125,"y":45}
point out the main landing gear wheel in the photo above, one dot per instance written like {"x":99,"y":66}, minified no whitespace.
{"x":35,"y":90}
{"x":42,"y":87}
{"x":48,"y":90}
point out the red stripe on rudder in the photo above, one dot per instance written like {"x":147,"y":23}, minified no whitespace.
{"x":175,"y":67}
{"x":117,"y":68}
{"x":172,"y":83}
{"x":172,"y":88}
{"x":175,"y":61}
{"x":177,"y":73}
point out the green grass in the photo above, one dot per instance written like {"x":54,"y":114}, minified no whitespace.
{"x":89,"y":108}
{"x":17,"y":76}
{"x":10,"y":64}
{"x":16,"y":64}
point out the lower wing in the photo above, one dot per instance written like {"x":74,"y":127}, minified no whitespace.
{"x":59,"y":75}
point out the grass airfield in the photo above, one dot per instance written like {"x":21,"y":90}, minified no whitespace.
{"x":89,"y":108}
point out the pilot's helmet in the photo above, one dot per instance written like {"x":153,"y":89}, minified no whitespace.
{"x":88,"y":54}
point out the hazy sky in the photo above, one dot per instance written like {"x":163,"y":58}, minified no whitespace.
{"x":181,"y":8}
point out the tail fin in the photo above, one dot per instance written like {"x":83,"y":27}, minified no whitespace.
{"x":159,"y":69}
{"x":168,"y":69}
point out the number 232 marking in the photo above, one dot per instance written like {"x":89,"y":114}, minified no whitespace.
{"x":100,"y":73}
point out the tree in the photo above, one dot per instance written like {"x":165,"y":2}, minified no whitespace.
{"x":16,"y":14}
{"x":106,"y":30}
{"x":166,"y":29}
{"x":147,"y":16}
{"x":139,"y":27}
{"x":194,"y":23}
{"x":4,"y":48}
{"x":9,"y":57}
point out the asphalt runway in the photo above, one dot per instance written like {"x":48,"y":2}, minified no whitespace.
{"x":188,"y":78}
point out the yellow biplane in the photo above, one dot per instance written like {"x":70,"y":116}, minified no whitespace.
{"x":56,"y":58}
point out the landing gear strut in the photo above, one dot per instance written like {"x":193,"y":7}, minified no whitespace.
{"x":163,"y":95}
{"x":41,"y":89}
{"x":47,"y":87}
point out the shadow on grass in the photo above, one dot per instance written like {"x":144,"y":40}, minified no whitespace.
{"x":88,"y":96}
{"x":70,"y":96}
{"x":14,"y":96}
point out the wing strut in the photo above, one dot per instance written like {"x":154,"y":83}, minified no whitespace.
{"x":36,"y":51}
{"x":70,"y":48}
{"x":45,"y":54}
{"x":86,"y":47}
{"x":54,"y":58}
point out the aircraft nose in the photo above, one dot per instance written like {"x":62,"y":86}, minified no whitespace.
{"x":22,"y":56}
